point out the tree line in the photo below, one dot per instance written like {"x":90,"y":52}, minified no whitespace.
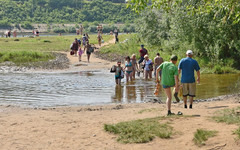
{"x":62,"y":11}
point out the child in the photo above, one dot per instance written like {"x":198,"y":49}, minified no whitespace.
{"x":118,"y":73}
{"x":80,"y":52}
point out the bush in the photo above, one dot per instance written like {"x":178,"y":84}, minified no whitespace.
{"x":70,"y":30}
{"x":27,"y":25}
{"x":58,"y":30}
{"x":5,"y":24}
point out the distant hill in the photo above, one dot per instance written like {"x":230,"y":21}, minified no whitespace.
{"x":64,"y":11}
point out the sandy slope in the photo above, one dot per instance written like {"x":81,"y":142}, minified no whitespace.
{"x":81,"y":128}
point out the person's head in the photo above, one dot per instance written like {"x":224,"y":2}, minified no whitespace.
{"x":119,"y":63}
{"x":174,"y":59}
{"x":142,"y":46}
{"x":75,"y":39}
{"x":189,"y":53}
{"x":127,"y":58}
{"x":146,"y":57}
{"x":158,"y":54}
{"x":133,"y":56}
{"x":83,"y":34}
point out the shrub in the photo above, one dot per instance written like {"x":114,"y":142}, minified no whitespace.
{"x":27,"y":25}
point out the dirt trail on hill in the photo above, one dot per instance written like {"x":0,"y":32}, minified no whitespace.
{"x":95,"y":62}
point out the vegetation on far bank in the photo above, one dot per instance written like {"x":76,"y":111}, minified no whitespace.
{"x":130,"y":44}
{"x":62,"y":11}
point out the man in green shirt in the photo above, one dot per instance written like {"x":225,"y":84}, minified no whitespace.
{"x":168,"y":79}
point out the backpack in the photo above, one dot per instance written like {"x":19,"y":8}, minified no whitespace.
{"x":113,"y":69}
{"x":71,"y":52}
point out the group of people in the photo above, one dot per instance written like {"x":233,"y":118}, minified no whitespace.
{"x":83,"y":42}
{"x":165,"y":72}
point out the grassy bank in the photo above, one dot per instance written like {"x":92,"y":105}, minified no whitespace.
{"x":26,"y":49}
{"x":130,"y":44}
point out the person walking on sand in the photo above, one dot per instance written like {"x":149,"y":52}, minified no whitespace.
{"x":187,"y":66}
{"x":168,"y":79}
{"x":88,"y":51}
{"x":142,"y":52}
{"x":99,"y":37}
{"x":75,"y":46}
{"x":80,"y":52}
{"x":157,"y":62}
{"x":135,"y":66}
{"x":148,"y":67}
{"x":118,"y":73}
{"x":128,"y":68}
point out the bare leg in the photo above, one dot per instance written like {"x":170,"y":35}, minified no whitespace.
{"x":169,"y":98}
{"x":88,"y":57}
{"x":146,"y":74}
{"x":131,"y":76}
{"x":150,"y":74}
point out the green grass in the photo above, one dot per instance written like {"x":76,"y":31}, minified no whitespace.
{"x":201,"y":135}
{"x":50,"y":44}
{"x":140,"y":131}
{"x":237,"y":132}
{"x":21,"y":57}
{"x":229,"y":116}
{"x":27,"y":49}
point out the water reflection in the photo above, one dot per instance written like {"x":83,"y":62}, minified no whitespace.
{"x":95,"y":87}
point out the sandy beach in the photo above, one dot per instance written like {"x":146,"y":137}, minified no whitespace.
{"x":81,"y":127}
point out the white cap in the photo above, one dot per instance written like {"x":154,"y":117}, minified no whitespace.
{"x":189,"y":52}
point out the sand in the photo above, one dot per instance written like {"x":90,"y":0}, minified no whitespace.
{"x":81,"y":127}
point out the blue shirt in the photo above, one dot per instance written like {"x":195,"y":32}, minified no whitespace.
{"x":188,"y":65}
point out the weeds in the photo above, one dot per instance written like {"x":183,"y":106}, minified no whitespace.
{"x":140,"y":131}
{"x":201,"y":135}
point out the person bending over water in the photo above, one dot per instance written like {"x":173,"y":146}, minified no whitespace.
{"x":128,"y":68}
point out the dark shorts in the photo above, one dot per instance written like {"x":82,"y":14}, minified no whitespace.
{"x":88,"y":53}
{"x":167,"y":86}
{"x":141,"y":60}
{"x":118,"y":77}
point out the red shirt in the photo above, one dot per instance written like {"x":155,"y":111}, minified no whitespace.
{"x":143,"y":52}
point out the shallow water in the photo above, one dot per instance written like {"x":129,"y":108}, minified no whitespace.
{"x":95,"y":87}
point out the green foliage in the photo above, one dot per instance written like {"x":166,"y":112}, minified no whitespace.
{"x":62,"y":11}
{"x":140,"y":131}
{"x":201,"y":135}
{"x":27,"y":25}
{"x":21,"y":57}
{"x":5,"y":24}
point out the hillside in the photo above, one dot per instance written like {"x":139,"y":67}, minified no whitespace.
{"x":62,"y":11}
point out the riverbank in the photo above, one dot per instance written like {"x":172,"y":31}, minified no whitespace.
{"x":81,"y":127}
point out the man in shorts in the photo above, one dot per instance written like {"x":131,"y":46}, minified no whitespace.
{"x":187,"y":66}
{"x":169,"y":79}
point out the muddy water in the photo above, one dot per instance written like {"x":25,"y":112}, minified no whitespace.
{"x":95,"y":87}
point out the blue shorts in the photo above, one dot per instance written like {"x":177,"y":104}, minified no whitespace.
{"x":167,"y":86}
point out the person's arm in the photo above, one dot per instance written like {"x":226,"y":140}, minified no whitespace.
{"x":198,"y":76}
{"x":176,"y":83}
{"x":179,"y":71}
{"x":158,"y":79}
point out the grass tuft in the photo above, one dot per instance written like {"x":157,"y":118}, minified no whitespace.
{"x":201,"y":135}
{"x":140,"y":131}
{"x":237,"y":132}
{"x":229,"y":116}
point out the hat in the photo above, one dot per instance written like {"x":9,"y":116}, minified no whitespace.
{"x":189,"y":52}
{"x":142,"y":45}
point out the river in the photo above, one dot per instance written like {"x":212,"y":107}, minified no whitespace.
{"x":95,"y":87}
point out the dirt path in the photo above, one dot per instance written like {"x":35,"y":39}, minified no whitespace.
{"x":81,"y":128}
{"x":94,"y":64}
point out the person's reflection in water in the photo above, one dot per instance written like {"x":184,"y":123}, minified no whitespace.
{"x":118,"y":95}
{"x":131,"y":93}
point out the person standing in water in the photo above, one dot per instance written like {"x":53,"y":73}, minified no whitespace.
{"x":168,"y":79}
{"x":148,"y":67}
{"x":118,"y":73}
{"x":135,"y":65}
{"x":88,"y":51}
{"x":157,"y":62}
{"x":128,"y":68}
